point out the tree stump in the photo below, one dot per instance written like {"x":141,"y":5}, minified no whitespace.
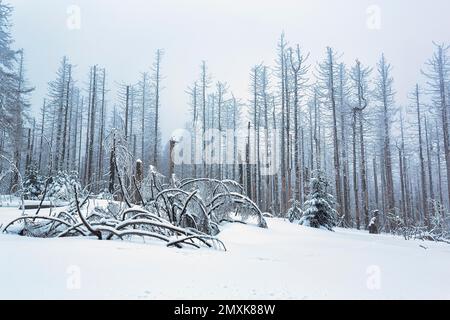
{"x":373,"y":225}
{"x":139,"y":177}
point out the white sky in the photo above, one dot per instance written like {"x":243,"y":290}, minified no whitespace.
{"x":231,"y":36}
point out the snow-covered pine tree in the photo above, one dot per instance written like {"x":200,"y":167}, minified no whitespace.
{"x":61,"y":186}
{"x":34,"y":184}
{"x":295,"y":211}
{"x":318,"y":210}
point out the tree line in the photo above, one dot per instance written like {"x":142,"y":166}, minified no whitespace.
{"x":340,"y":119}
{"x":302,"y":116}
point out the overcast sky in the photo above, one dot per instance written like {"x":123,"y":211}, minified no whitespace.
{"x":230,"y":35}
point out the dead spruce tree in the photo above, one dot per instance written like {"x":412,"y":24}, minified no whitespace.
{"x":328,"y":75}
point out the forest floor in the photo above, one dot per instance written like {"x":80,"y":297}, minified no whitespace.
{"x":286,"y":261}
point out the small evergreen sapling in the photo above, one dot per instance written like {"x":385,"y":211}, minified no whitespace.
{"x":34,"y":184}
{"x":295,"y":212}
{"x":318,"y":210}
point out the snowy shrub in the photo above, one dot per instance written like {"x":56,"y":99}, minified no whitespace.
{"x":439,"y":222}
{"x":318,"y":210}
{"x":440,"y":219}
{"x":395,"y":222}
{"x":437,"y":230}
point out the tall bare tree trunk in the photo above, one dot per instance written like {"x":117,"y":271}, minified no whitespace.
{"x":204,"y":85}
{"x":337,"y":164}
{"x":144,"y":102}
{"x":438,"y":158}
{"x":102,"y":128}
{"x":59,"y":118}
{"x":235,"y":150}
{"x":316,"y":132}
{"x":112,"y":166}
{"x":355,"y":176}
{"x":444,"y":113}
{"x":267,"y":196}
{"x":403,"y":175}
{"x":288,"y":132}
{"x":66,"y":114}
{"x":92,"y":129}
{"x":345,"y":183}
{"x":423,"y":181}
{"x":194,"y":132}
{"x":365,"y":191}
{"x":127,"y":111}
{"x":157,"y":104}
{"x":375,"y":183}
{"x":41,"y":142}
{"x":88,"y":127}
{"x":387,"y":138}
{"x":248,"y":166}
{"x":282,"y":47}
{"x":402,"y":185}
{"x":430,"y":170}
{"x":296,"y":68}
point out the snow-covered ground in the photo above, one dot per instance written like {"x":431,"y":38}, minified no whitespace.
{"x":286,"y":261}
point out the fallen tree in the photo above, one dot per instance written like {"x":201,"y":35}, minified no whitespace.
{"x":180,"y":213}
{"x":105,"y":225}
{"x":187,"y":213}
